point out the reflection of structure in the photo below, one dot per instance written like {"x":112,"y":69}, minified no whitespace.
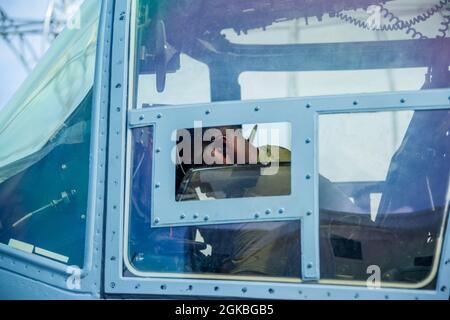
{"x":16,"y":32}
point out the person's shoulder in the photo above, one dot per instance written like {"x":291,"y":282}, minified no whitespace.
{"x":274,"y":153}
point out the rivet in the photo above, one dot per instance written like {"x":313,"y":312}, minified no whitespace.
{"x":355,"y":103}
{"x":137,"y":286}
{"x":256,"y":108}
{"x":281,"y":210}
{"x":271,"y":291}
{"x":113,"y":258}
{"x":216,"y":288}
{"x":195,"y":216}
{"x":386,"y":297}
{"x":308,"y":177}
{"x":309,"y":265}
{"x":356,"y":296}
{"x":402,"y":100}
{"x":268,"y":211}
{"x":157,"y":220}
{"x":300,"y":292}
{"x":308,"y":213}
{"x":141,"y":117}
{"x":158,"y":150}
{"x":328,"y":294}
{"x":157,"y":185}
{"x":163,"y":287}
{"x":447,"y":262}
{"x":308,"y":141}
{"x":256,"y":215}
{"x":207,"y":112}
{"x":182,"y":216}
{"x":206,"y":218}
{"x":159,"y":116}
{"x":443,"y":288}
{"x":244,"y":290}
{"x":190,"y":288}
{"x":118,"y":86}
{"x":308,"y":106}
{"x":118,"y":109}
{"x":112,"y":285}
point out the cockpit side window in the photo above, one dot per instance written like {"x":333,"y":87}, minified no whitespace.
{"x":45,"y":134}
{"x":366,"y":193}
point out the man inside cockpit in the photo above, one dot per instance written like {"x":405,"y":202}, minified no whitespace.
{"x":263,"y":248}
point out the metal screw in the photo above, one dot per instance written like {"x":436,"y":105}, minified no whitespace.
{"x":206,"y":218}
{"x":308,"y":177}
{"x":159,"y":116}
{"x":308,"y":213}
{"x":163,"y":287}
{"x":112,"y":285}
{"x":157,"y":220}
{"x":308,"y":141}
{"x":157,"y":185}
{"x":256,"y":215}
{"x":216,"y":288}
{"x":195,"y":216}
{"x":207,"y":112}
{"x":271,"y":291}
{"x":141,"y":117}
{"x":281,"y":211}
{"x":308,"y":106}
{"x":182,"y":216}
{"x":355,"y":103}
{"x":244,"y":290}
{"x":268,"y":211}
{"x":309,"y":265}
{"x":256,"y":108}
{"x":113,"y":258}
{"x":402,"y":100}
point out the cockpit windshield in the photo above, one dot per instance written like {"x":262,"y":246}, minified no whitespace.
{"x":45,"y":138}
{"x":273,"y":49}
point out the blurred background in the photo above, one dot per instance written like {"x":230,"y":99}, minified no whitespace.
{"x":27,"y":28}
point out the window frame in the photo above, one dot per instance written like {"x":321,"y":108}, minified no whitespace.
{"x":123,"y":119}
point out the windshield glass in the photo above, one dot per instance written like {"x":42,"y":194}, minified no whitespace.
{"x":49,"y":96}
{"x":263,"y":49}
{"x":45,"y":134}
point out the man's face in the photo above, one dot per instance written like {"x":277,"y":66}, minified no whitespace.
{"x":228,"y":146}
{"x":219,"y":145}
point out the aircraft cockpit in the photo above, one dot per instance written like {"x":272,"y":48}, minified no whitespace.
{"x":238,"y":148}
